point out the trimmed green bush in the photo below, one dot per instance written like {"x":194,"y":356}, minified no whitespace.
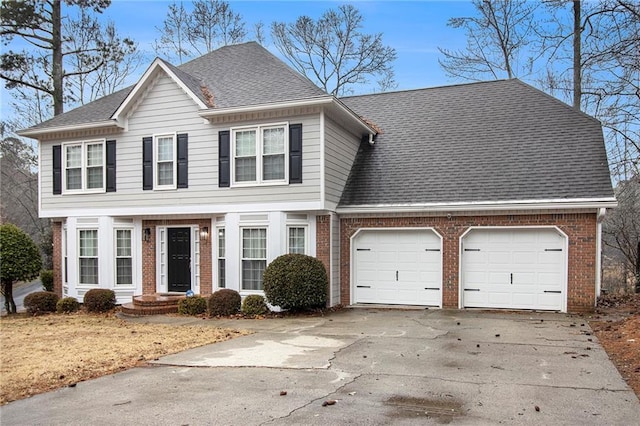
{"x":47,"y":280}
{"x":296,"y":282}
{"x":99,"y":300}
{"x":254,"y":304}
{"x":194,"y":305}
{"x":67,"y":305}
{"x":40,"y":302}
{"x":224,"y":302}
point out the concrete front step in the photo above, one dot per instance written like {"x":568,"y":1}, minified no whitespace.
{"x":133,"y":310}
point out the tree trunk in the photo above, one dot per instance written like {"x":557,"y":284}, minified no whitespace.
{"x":56,"y":44}
{"x":577,"y":55}
{"x":638,"y":269}
{"x":9,"y":303}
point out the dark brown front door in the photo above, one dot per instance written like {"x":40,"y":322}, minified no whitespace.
{"x":179,"y":252}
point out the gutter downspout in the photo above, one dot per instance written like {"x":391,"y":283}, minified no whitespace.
{"x":599,"y":218}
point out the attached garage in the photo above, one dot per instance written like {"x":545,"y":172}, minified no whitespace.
{"x":401,"y":267}
{"x":514,"y":269}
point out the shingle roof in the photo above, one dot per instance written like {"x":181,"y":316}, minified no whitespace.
{"x":493,"y":141}
{"x":265,"y":78}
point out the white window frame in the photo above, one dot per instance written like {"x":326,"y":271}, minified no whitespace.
{"x":221,"y":249}
{"x":84,"y":166}
{"x":156,"y":162}
{"x":80,"y":257}
{"x":259,"y":154}
{"x":116,"y":257}
{"x":242,"y":258}
{"x":305,"y":229}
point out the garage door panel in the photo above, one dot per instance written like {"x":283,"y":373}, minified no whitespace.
{"x":523,"y":268}
{"x":397,"y":267}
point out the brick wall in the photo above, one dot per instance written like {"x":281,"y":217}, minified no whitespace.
{"x":580,"y":228}
{"x":149,"y":254}
{"x":57,"y":258}
{"x":323,"y":245}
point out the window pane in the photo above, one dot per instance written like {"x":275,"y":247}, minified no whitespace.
{"x":221,"y":273}
{"x":89,"y":270}
{"x":74,"y":156}
{"x":273,"y":168}
{"x":94,"y":177}
{"x":124,"y":271}
{"x":165,"y":173}
{"x":89,"y":242}
{"x":165,"y":149}
{"x":246,"y":169}
{"x":245,"y":143}
{"x":123,"y":243}
{"x":94,"y":155}
{"x":254,"y":243}
{"x":221,"y":242}
{"x":74,"y":178}
{"x":252,"y":272}
{"x":273,"y":141}
{"x":296,"y":240}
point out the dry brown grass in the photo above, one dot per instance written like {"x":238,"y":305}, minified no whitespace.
{"x":39,"y":354}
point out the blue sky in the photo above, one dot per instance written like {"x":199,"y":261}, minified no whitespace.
{"x":414,"y":28}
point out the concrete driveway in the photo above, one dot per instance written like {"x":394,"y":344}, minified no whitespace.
{"x":379,"y":366}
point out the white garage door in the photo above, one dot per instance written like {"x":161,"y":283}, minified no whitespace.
{"x":515,"y":268}
{"x":398,"y":267}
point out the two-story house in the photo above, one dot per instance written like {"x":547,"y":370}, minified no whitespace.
{"x":478,"y":195}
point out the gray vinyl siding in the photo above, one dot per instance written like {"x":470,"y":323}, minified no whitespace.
{"x":341,"y":148}
{"x":165,"y":108}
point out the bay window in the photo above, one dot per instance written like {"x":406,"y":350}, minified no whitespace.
{"x":124,"y":259}
{"x":254,"y":257}
{"x":88,"y":256}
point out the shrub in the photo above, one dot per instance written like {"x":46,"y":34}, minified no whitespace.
{"x":195,"y":305}
{"x":296,"y":282}
{"x":99,"y":300}
{"x":254,"y":304}
{"x":47,"y":280}
{"x":67,"y":304}
{"x":224,"y":302}
{"x":40,"y":302}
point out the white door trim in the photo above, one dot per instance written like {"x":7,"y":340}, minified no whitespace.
{"x":515,"y":228}
{"x":352,"y":272}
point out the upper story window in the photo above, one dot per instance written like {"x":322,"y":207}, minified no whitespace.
{"x":260,"y":154}
{"x":165,"y":146}
{"x":84,"y":166}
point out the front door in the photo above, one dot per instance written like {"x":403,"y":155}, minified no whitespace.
{"x":179,"y":265}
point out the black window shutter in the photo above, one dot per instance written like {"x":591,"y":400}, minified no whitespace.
{"x":295,"y":153}
{"x":111,"y":166}
{"x":183,"y":160}
{"x":147,"y":163}
{"x":57,"y":169}
{"x":224,"y":159}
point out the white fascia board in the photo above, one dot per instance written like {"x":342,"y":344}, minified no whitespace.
{"x":34,"y":133}
{"x":169,"y":210}
{"x":317,"y":101}
{"x":143,"y":80}
{"x":586,"y":203}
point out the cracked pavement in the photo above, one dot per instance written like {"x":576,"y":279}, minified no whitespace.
{"x":380,"y":366}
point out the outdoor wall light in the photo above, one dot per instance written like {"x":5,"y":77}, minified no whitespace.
{"x":204,"y":233}
{"x":146,"y":234}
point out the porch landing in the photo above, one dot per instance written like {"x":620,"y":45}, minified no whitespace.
{"x":152,"y":304}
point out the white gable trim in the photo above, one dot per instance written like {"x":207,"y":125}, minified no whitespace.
{"x":32,"y":133}
{"x":145,"y":79}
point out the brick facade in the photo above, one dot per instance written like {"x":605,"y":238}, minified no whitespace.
{"x":149,"y":254}
{"x":56,"y":258}
{"x":323,"y":244}
{"x":579,"y":227}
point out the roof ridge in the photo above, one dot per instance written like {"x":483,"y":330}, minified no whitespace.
{"x":419,"y":89}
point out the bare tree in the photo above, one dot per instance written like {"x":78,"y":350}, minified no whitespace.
{"x":209,"y":25}
{"x":258,"y":33}
{"x":497,"y":39}
{"x":333,"y":51}
{"x":622,"y":226}
{"x":46,"y":66}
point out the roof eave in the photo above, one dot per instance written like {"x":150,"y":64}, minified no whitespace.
{"x":34,"y":133}
{"x":496,"y":206}
{"x":328,"y":101}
